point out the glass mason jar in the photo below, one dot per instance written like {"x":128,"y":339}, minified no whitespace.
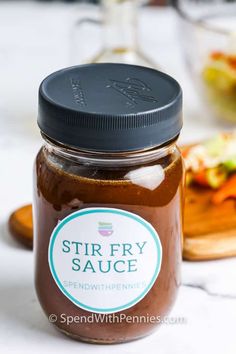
{"x":108,"y":200}
{"x":208,"y":36}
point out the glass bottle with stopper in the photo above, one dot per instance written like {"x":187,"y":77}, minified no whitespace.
{"x":119,"y":24}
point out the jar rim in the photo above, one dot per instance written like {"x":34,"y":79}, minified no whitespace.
{"x":109,"y":158}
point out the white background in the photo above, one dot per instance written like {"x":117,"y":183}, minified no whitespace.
{"x":34,"y":40}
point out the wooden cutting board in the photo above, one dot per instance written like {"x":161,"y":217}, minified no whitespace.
{"x":209,"y":230}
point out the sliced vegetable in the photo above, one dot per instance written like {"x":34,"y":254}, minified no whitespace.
{"x":212,"y":163}
{"x":201,"y":178}
{"x":217,"y":55}
{"x":211,"y":177}
{"x":228,"y":190}
{"x":219,"y":78}
{"x":230,"y":165}
{"x":185,"y":151}
{"x":216,"y":177}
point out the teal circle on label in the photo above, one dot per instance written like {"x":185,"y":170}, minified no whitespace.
{"x":82,"y":212}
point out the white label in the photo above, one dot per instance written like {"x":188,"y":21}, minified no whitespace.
{"x":104,"y":260}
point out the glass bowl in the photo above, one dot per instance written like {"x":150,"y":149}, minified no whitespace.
{"x":208,"y":36}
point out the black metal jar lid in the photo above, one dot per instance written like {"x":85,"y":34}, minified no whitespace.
{"x":110,"y":107}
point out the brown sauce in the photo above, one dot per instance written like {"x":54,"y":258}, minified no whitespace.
{"x":61,"y":191}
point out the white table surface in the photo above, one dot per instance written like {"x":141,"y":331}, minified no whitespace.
{"x":34,"y":41}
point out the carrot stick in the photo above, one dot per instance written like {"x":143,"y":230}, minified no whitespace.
{"x":201,"y":178}
{"x":228,"y":190}
{"x":185,"y":151}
